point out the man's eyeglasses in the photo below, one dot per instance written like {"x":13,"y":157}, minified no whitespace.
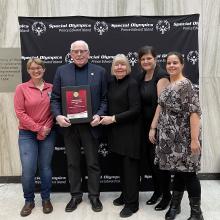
{"x":79,"y":51}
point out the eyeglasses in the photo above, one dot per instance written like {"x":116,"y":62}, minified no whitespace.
{"x":119,"y":64}
{"x":35,"y":69}
{"x":79,"y":51}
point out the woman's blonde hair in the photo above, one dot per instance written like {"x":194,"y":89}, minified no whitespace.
{"x":35,"y":60}
{"x":121,"y":58}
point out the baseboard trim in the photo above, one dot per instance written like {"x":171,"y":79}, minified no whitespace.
{"x":209,"y":176}
{"x":10,"y":179}
{"x":202,"y":176}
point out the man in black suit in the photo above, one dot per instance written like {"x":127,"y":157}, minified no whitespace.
{"x":78,"y":73}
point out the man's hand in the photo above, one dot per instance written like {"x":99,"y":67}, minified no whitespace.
{"x":63,"y":121}
{"x":95,"y":121}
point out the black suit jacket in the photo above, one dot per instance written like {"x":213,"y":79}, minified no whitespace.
{"x":97,"y":80}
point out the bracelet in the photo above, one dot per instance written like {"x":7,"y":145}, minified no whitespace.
{"x":152,"y":128}
{"x":113,"y":119}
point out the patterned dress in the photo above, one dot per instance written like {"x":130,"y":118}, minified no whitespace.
{"x":173,"y":151}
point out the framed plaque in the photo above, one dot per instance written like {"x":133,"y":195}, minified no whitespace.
{"x":76,"y":103}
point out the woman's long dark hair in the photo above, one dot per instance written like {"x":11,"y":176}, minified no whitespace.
{"x":146,"y":50}
{"x":179,"y":55}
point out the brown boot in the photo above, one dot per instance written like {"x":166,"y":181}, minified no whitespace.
{"x":27,"y":208}
{"x":47,"y":206}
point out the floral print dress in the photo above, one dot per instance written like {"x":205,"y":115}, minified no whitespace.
{"x":173,"y":151}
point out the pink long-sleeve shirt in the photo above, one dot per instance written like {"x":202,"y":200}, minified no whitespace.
{"x":32,"y":106}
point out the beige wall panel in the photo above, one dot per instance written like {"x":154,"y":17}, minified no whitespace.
{"x":211,"y":125}
{"x":9,"y":152}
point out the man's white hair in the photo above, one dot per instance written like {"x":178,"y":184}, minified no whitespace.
{"x":79,"y":42}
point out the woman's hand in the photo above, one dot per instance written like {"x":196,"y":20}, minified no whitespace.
{"x":152,"y":134}
{"x":42,"y":134}
{"x":195,"y":146}
{"x":106,"y":120}
{"x":95,"y":120}
{"x":46,"y":131}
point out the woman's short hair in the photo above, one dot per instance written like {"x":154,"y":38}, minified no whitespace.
{"x":35,"y":60}
{"x":120,"y":58}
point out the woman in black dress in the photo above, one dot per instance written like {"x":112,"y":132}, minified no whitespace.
{"x":124,"y":131}
{"x":154,"y":80}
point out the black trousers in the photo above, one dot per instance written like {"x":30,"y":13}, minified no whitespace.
{"x":188,"y":181}
{"x":129,"y":177}
{"x":161,"y":178}
{"x":75,"y":137}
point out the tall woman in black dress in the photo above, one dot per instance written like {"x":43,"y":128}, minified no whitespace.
{"x":154,"y":80}
{"x":124,"y":131}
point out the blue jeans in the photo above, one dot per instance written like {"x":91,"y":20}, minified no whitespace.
{"x":32,"y":153}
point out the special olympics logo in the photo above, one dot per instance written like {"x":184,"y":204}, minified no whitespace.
{"x":163,"y":26}
{"x":103,"y":150}
{"x":38,"y":28}
{"x":193,"y":57}
{"x":68,"y":58}
{"x":132,"y":58}
{"x":100,"y":27}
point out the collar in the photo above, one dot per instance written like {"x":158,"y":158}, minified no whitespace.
{"x":30,"y":84}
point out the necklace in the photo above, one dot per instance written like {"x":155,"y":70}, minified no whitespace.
{"x":177,"y":80}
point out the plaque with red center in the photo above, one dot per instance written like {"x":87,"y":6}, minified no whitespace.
{"x":76,"y":103}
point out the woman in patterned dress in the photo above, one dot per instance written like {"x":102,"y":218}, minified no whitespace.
{"x":178,"y":139}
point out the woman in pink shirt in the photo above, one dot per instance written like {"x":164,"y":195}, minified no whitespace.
{"x":36,"y":136}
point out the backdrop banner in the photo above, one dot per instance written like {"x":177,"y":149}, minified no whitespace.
{"x":49,"y":39}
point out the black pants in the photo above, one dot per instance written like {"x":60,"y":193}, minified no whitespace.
{"x":129,"y":177}
{"x":161,"y":178}
{"x":188,"y":181}
{"x":75,"y":137}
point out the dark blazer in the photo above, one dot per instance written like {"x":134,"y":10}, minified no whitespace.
{"x":149,"y":96}
{"x":97,"y":80}
{"x":124,"y":103}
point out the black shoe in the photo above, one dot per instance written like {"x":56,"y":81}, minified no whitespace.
{"x":96,"y":204}
{"x":196,"y":212}
{"x":72,"y":205}
{"x":154,"y":198}
{"x":163,"y":204}
{"x":175,"y":207}
{"x":118,"y":202}
{"x":127,"y":212}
